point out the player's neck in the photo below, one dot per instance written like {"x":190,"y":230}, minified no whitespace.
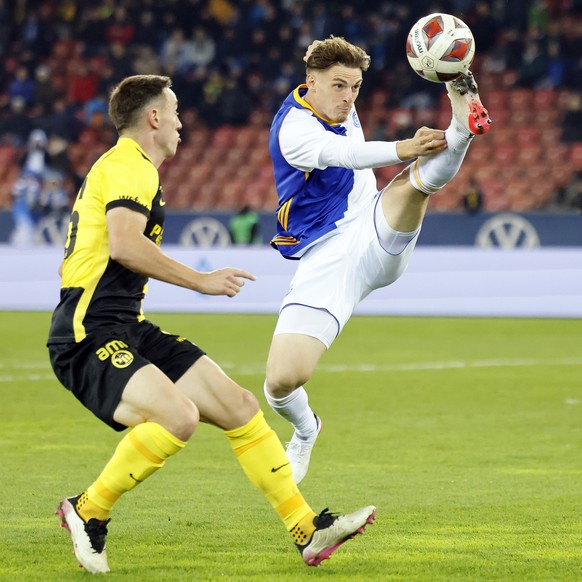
{"x":147,"y":144}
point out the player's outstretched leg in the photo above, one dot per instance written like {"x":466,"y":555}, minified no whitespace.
{"x":331,"y":531}
{"x":470,"y":118}
{"x":299,"y":450}
{"x":88,"y":537}
{"x":467,"y":107}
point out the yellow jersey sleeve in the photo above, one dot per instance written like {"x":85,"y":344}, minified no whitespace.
{"x":130,"y":182}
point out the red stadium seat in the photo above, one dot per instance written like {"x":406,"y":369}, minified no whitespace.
{"x":505,"y":154}
{"x":528,"y":136}
{"x":576,"y":156}
{"x":505,"y":134}
{"x":520,"y":99}
{"x":544,"y":99}
{"x":528,"y":155}
{"x":224,"y":136}
{"x":560,"y":174}
{"x":496,"y":99}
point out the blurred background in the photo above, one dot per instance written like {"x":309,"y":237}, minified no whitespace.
{"x":232,"y":63}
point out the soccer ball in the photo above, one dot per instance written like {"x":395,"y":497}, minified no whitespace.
{"x":440,"y":47}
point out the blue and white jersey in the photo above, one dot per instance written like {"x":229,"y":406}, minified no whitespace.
{"x":316,"y":196}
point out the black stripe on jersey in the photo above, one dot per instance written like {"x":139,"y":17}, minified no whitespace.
{"x":128,"y":203}
{"x":61,"y":330}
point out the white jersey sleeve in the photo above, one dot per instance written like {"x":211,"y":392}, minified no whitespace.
{"x":344,"y":152}
{"x":307,"y":145}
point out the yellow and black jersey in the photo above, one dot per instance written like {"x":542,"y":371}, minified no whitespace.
{"x":96,"y":290}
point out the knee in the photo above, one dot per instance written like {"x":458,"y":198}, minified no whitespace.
{"x":241,"y":407}
{"x":280,"y":382}
{"x":184,"y":422}
{"x":249,"y":403}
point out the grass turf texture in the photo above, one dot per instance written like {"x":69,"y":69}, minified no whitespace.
{"x":466,"y":433}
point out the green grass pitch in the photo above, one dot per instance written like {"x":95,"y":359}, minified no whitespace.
{"x":466,"y":434}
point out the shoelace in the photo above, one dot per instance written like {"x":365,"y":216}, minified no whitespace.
{"x":324,"y":519}
{"x":97,"y":530}
{"x":294,"y":447}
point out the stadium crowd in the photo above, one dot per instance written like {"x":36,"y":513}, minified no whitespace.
{"x":232,"y":63}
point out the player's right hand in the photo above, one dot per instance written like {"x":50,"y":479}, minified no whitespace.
{"x":227,"y":281}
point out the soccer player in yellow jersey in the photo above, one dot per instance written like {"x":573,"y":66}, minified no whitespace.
{"x":127,"y":371}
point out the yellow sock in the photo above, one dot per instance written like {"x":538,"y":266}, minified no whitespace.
{"x":263,"y":459}
{"x":140,"y":453}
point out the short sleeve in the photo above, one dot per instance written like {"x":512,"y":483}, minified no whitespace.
{"x":132,"y":186}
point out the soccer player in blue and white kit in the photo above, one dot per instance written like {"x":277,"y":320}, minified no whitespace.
{"x":350,"y":237}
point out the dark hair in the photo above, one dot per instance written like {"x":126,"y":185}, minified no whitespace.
{"x":131,"y":95}
{"x":335,"y":50}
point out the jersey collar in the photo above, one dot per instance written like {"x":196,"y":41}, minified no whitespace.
{"x":125,"y":141}
{"x":297,"y":95}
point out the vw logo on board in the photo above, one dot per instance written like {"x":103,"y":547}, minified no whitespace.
{"x":507,"y":231}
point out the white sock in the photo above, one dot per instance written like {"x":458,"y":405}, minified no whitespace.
{"x":295,"y":408}
{"x":430,"y":174}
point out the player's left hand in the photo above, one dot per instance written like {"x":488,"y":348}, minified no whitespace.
{"x":425,"y":142}
{"x":227,"y":281}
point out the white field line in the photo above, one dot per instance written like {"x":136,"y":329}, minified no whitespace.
{"x":21,"y":372}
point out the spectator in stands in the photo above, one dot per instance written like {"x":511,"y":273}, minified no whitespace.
{"x":62,"y":121}
{"x":95,"y":111}
{"x":484,"y":26}
{"x":53,"y":198}
{"x":572,"y":120}
{"x":173,"y":50}
{"x":147,"y":33}
{"x":570,"y":196}
{"x":119,"y":60}
{"x":199,"y":51}
{"x":245,"y":227}
{"x":16,"y":125}
{"x":58,"y":155}
{"x":473,"y":198}
{"x":90,"y":26}
{"x":22,"y":86}
{"x":35,"y":157}
{"x":145,"y":61}
{"x":234,"y":103}
{"x":44,"y":91}
{"x":209,"y":108}
{"x":533,"y":64}
{"x":25,"y":196}
{"x":6,"y":24}
{"x":83,"y":84}
{"x":120,"y":28}
{"x":556,"y":64}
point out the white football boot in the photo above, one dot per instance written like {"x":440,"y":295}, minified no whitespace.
{"x":331,"y":531}
{"x":298,"y":452}
{"x":468,"y":110}
{"x":88,"y":537}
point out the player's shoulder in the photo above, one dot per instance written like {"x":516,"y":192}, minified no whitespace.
{"x":126,"y":157}
{"x":302,"y":118}
{"x":127,"y":151}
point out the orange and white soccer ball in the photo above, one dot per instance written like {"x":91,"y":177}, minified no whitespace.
{"x":440,"y":47}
